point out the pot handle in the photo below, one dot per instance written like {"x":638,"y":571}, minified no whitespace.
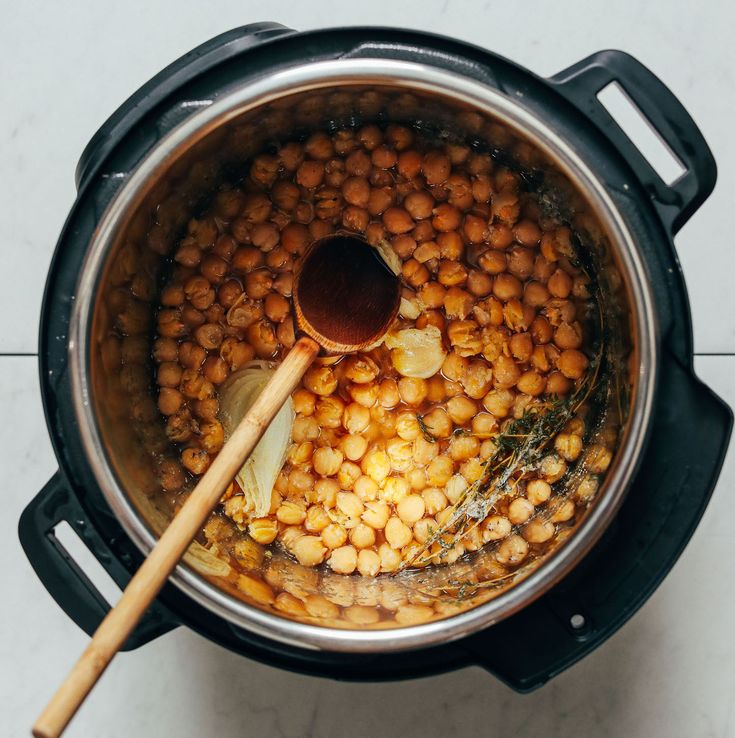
{"x":61,"y":575}
{"x":676,"y":202}
{"x":175,"y":75}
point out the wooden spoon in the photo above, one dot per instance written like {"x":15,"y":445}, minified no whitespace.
{"x":345,"y":299}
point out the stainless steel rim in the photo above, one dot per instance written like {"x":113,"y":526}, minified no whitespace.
{"x":429,"y":79}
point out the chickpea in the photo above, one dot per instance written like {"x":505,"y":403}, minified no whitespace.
{"x":435,"y":167}
{"x":169,"y":374}
{"x":446,"y":217}
{"x":560,"y":284}
{"x":438,"y":423}
{"x":304,"y":402}
{"x":364,"y":394}
{"x":348,"y":474}
{"x":355,"y":418}
{"x":360,"y":369}
{"x":419,"y":204}
{"x":541,"y":331}
{"x":353,"y":446}
{"x":538,"y":491}
{"x":262,"y":337}
{"x":310,"y":174}
{"x":465,"y":337}
{"x":376,"y":464}
{"x":458,"y":303}
{"x":327,"y":461}
{"x":531,"y":383}
{"x":512,"y":551}
{"x":434,"y":500}
{"x":411,"y":509}
{"x":196,"y":460}
{"x":568,"y":446}
{"x":439,"y":471}
{"x":538,"y":531}
{"x":170,"y":324}
{"x":412,"y":390}
{"x":362,"y":536}
{"x":258,"y":284}
{"x":519,"y":510}
{"x":557,"y":384}
{"x":568,"y":336}
{"x":572,"y":363}
{"x":426,"y":252}
{"x":390,"y":559}
{"x":329,"y":411}
{"x":506,"y":372}
{"x":320,"y":380}
{"x":499,"y":402}
{"x":384,"y":157}
{"x":206,"y":409}
{"x":397,"y":220}
{"x":476,"y":379}
{"x":334,"y":536}
{"x":366,"y":488}
{"x":376,"y":514}
{"x":527,"y":233}
{"x":493,"y":262}
{"x":409,"y":164}
{"x":388,"y":393}
{"x":462,"y":448}
{"x":598,"y":459}
{"x":407,"y":426}
{"x":414,"y":273}
{"x":170,"y":400}
{"x":215,"y":369}
{"x":397,"y":533}
{"x":343,"y":560}
{"x":451,"y":273}
{"x":188,"y":254}
{"x":495,"y":528}
{"x":484,"y":425}
{"x":454,"y":366}
{"x":368,"y":563}
{"x":164,"y":349}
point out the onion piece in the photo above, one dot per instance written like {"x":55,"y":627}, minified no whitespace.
{"x":258,"y":474}
{"x":417,"y":352}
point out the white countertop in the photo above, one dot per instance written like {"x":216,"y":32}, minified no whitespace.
{"x":669,"y":672}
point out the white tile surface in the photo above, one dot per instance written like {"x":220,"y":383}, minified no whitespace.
{"x":67,"y":66}
{"x":667,"y":673}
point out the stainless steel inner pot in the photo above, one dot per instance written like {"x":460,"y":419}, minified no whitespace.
{"x":112,"y":396}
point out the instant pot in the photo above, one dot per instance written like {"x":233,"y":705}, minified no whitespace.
{"x":167,"y":146}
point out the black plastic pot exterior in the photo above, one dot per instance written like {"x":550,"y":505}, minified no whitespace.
{"x":677,"y":473}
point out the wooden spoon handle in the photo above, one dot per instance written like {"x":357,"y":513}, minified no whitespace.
{"x":171,"y":546}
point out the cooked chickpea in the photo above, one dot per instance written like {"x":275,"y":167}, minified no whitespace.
{"x":531,"y":383}
{"x":438,"y":423}
{"x":376,"y":464}
{"x":334,"y":536}
{"x":309,"y":550}
{"x":512,"y":551}
{"x":196,"y":460}
{"x":495,"y":528}
{"x":411,"y":509}
{"x":376,"y":514}
{"x":353,"y":446}
{"x":568,"y":446}
{"x":320,"y":380}
{"x":368,"y":562}
{"x":364,"y":394}
{"x":598,"y":458}
{"x":462,"y":448}
{"x":505,"y":373}
{"x":461,"y":409}
{"x":362,"y":536}
{"x":538,"y":491}
{"x":397,"y":533}
{"x":439,"y":471}
{"x":412,"y":390}
{"x":560,"y":284}
{"x":519,"y":510}
{"x":572,"y":363}
{"x":327,"y":461}
{"x":343,"y":560}
{"x":436,"y":167}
